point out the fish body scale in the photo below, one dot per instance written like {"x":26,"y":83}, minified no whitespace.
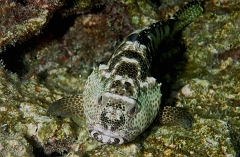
{"x":121,"y":99}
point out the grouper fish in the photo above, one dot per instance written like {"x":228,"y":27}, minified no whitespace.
{"x":121,"y":99}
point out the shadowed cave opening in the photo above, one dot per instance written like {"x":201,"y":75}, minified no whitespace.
{"x":14,"y":56}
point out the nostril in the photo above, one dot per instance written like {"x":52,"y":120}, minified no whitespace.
{"x":100,"y":101}
{"x":116,"y":141}
{"x":131,"y":112}
{"x":94,"y":134}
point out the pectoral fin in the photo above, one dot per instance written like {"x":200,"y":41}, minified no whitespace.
{"x":175,"y":116}
{"x":70,"y":106}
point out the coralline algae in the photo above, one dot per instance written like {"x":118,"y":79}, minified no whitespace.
{"x":212,"y":74}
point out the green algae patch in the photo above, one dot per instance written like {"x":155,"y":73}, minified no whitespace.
{"x":141,"y":12}
{"x":208,"y":86}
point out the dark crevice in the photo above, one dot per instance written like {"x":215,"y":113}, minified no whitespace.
{"x":13,"y":60}
{"x":156,"y":2}
{"x":14,"y":56}
{"x":235,"y":139}
{"x":38,"y":150}
{"x":168,"y":64}
{"x":21,"y":2}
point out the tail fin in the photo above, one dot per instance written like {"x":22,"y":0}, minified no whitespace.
{"x":153,"y":35}
{"x":186,"y":15}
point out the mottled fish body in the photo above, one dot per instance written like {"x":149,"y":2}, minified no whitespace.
{"x":121,"y":99}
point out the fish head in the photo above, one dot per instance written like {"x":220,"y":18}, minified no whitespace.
{"x":113,"y":120}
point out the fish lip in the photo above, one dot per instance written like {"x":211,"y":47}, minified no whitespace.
{"x":97,"y":132}
{"x":106,"y":138}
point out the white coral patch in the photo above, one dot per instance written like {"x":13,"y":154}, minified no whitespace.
{"x":186,"y":90}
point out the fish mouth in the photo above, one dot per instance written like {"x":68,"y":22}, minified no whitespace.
{"x":107,"y":139}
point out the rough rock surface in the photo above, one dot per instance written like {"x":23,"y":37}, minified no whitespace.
{"x":57,"y":62}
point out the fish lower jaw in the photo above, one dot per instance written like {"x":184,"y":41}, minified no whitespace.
{"x":107,"y":137}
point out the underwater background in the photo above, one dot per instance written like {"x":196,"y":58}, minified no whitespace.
{"x":50,"y":47}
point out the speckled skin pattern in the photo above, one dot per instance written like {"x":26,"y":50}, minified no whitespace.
{"x":121,"y":99}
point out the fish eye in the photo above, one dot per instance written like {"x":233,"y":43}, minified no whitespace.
{"x":100,"y":101}
{"x":131,"y":112}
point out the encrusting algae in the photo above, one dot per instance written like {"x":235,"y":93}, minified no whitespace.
{"x":204,"y":80}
